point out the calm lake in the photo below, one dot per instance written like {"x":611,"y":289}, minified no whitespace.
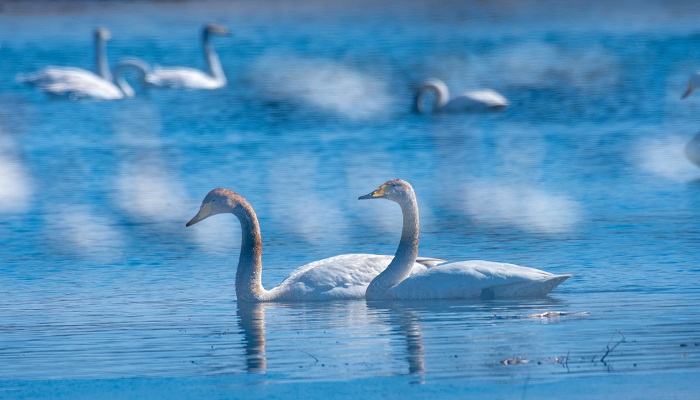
{"x":583,"y":173}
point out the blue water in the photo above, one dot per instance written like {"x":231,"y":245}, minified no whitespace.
{"x":584,"y":173}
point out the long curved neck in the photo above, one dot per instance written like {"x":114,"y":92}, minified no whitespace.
{"x":248,"y":276}
{"x":442,"y":95}
{"x":400,"y":267}
{"x":139,"y":67}
{"x":101,"y":66}
{"x":212,"y":59}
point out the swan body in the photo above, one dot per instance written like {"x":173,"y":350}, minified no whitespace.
{"x":483,"y":100}
{"x":454,"y":280}
{"x":78,"y":83}
{"x":342,"y":277}
{"x":692,"y":150}
{"x":190,"y":78}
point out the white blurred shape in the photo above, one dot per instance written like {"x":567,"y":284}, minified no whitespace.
{"x":87,"y":234}
{"x":146,"y":188}
{"x":218,"y":234}
{"x":297,"y":202}
{"x":527,"y":208}
{"x":547,"y":65}
{"x":666,"y":157}
{"x":323,"y":84}
{"x":15,"y":182}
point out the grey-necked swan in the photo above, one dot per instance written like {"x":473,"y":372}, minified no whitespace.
{"x":483,"y":100}
{"x":342,"y":277}
{"x":454,"y":280}
{"x":191,"y":78}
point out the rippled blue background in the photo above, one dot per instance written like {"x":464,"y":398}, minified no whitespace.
{"x":583,"y":174}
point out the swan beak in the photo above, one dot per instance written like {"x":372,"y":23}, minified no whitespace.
{"x":687,"y":92}
{"x":204,"y":212}
{"x":377,"y":194}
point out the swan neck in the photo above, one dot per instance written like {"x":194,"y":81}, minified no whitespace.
{"x":120,"y":79}
{"x":406,"y":254}
{"x":211,"y":59}
{"x":248,"y":276}
{"x":442,"y":95}
{"x":101,"y":67}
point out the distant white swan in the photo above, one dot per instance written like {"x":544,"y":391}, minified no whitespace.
{"x":692,"y":149}
{"x":190,"y":78}
{"x":78,"y":83}
{"x":341,"y":277}
{"x":472,"y":101}
{"x":693,"y":84}
{"x":455,"y":280}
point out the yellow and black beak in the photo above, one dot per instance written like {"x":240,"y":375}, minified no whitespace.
{"x":204,"y":212}
{"x":380,"y":192}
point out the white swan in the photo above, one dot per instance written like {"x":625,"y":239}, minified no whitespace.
{"x":190,"y":78}
{"x":341,"y":277}
{"x":471,"y":101}
{"x":78,"y":83}
{"x":463,"y":279}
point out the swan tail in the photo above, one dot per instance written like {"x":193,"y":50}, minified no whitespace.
{"x":526,"y":288}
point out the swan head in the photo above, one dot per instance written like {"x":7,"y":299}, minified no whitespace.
{"x":215,"y":29}
{"x":394,"y":189}
{"x":217,"y":201}
{"x":102,"y":33}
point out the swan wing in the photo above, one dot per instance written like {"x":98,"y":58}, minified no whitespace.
{"x":341,"y":277}
{"x":476,"y":279}
{"x":182,"y":78}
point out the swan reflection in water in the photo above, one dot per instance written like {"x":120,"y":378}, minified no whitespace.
{"x":251,"y":319}
{"x":404,"y":323}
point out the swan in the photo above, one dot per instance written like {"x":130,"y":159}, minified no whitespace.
{"x":78,"y":83}
{"x":692,"y":149}
{"x":462,"y":279}
{"x":693,"y":84}
{"x":342,"y":277}
{"x":190,"y":78}
{"x":471,"y":101}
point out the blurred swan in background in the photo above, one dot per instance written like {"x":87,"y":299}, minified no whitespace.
{"x":342,"y":277}
{"x":692,"y":149}
{"x":190,"y":78}
{"x":472,"y":101}
{"x":462,"y":279}
{"x":693,"y":84}
{"x":78,"y":83}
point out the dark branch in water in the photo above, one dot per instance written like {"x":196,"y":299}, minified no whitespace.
{"x":610,"y":349}
{"x":309,"y":354}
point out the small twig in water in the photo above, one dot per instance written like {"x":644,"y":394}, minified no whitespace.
{"x":610,"y":349}
{"x":309,"y":354}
